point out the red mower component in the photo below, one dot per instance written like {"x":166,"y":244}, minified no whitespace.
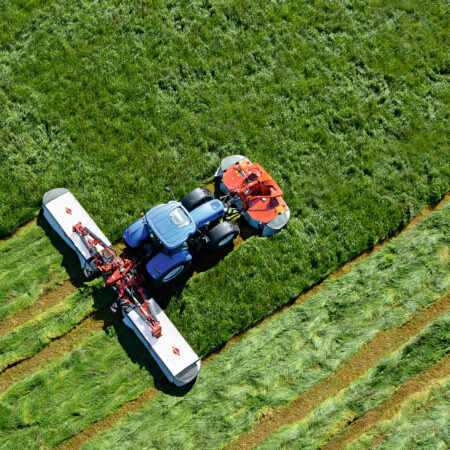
{"x":120,"y":274}
{"x":255,"y":193}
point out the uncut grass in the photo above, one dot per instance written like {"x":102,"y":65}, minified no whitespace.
{"x":376,"y":386}
{"x":277,"y":361}
{"x":345,"y":103}
{"x":423,"y":422}
{"x":29,"y":265}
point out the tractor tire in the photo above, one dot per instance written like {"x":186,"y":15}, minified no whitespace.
{"x":196,"y":198}
{"x":172,"y":273}
{"x":222,"y":234}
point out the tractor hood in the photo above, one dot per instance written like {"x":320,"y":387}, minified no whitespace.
{"x":171,"y":223}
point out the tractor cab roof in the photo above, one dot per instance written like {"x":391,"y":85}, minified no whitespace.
{"x":171,"y":223}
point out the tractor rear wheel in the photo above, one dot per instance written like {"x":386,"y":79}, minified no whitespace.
{"x":172,"y":273}
{"x":222,"y":234}
{"x":196,"y":198}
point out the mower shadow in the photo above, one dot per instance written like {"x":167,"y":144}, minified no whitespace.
{"x":133,"y":347}
{"x":70,"y":261}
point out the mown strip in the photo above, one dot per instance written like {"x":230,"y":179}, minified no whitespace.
{"x":292,"y":352}
{"x":383,"y":386}
{"x":21,"y":369}
{"x":29,"y":267}
{"x":389,"y":408}
{"x":28,"y":339}
{"x":423,"y":422}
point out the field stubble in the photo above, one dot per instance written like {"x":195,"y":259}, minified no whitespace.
{"x":389,"y":409}
{"x":384,"y":342}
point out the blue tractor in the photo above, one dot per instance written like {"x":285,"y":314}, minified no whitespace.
{"x":169,"y":234}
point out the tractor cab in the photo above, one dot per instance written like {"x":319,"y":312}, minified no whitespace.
{"x":171,"y":223}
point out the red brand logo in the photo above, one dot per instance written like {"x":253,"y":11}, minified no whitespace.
{"x":68,"y":211}
{"x":176,"y":351}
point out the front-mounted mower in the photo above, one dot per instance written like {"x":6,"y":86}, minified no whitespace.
{"x":164,"y":241}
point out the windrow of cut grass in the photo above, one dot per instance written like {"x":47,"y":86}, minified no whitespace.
{"x":28,"y":339}
{"x":57,"y":348}
{"x":278,"y":360}
{"x":338,"y":100}
{"x":29,"y":266}
{"x":423,"y":422}
{"x":378,"y":384}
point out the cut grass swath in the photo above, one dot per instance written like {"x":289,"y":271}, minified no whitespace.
{"x":29,"y":266}
{"x":25,"y":341}
{"x":423,"y":422}
{"x":376,"y":386}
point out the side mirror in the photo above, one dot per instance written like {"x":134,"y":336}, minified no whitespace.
{"x":169,"y":189}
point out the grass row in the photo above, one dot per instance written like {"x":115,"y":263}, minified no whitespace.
{"x":338,"y":100}
{"x":364,"y":394}
{"x":29,"y":265}
{"x":423,"y":422}
{"x":25,"y":341}
{"x":277,"y":361}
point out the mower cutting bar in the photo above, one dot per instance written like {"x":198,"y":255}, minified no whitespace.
{"x":143,"y":315}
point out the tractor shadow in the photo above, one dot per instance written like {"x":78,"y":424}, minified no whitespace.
{"x":203,"y":260}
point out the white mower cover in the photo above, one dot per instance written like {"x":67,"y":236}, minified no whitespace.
{"x":62,"y":211}
{"x":179,"y":363}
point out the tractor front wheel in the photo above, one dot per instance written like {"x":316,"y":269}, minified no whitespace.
{"x":196,"y":198}
{"x":222,"y":234}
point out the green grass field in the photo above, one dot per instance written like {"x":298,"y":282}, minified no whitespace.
{"x":342,"y":103}
{"x":345,"y":102}
{"x":260,"y":372}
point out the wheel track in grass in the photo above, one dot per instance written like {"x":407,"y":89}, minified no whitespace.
{"x":385,"y":342}
{"x":390,"y":408}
